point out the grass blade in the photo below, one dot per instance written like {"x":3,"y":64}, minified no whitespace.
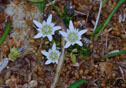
{"x":41,"y":6}
{"x":77,"y":84}
{"x":36,"y":0}
{"x":114,"y":54}
{"x":55,"y":9}
{"x":96,"y":30}
{"x":5,"y":32}
{"x":109,"y":17}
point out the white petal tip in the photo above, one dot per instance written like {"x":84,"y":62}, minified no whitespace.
{"x":39,"y":35}
{"x":79,"y":43}
{"x":47,"y":62}
{"x":50,"y":37}
{"x":54,"y":46}
{"x":67,"y":45}
{"x":63,"y":33}
{"x":44,"y":53}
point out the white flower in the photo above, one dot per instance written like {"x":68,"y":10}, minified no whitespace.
{"x":47,"y":28}
{"x":73,"y":35}
{"x":52,"y":55}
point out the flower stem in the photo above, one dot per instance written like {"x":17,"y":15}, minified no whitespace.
{"x":61,"y":60}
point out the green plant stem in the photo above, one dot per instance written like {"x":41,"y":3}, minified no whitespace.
{"x":109,"y":17}
{"x":114,"y":54}
{"x":77,"y":84}
{"x":5,"y":32}
{"x":96,"y":30}
{"x":55,"y":9}
{"x":42,"y":5}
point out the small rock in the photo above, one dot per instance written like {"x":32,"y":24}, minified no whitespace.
{"x":86,"y":72}
{"x":7,"y":81}
{"x":26,"y":85}
{"x":33,"y":83}
{"x":7,"y":75}
{"x":81,"y":71}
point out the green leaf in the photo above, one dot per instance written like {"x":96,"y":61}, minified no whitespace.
{"x":96,"y":30}
{"x":36,"y":0}
{"x":84,"y":52}
{"x":109,"y":17}
{"x":73,"y":58}
{"x":78,"y":83}
{"x":41,"y":6}
{"x":114,"y":54}
{"x":7,"y":28}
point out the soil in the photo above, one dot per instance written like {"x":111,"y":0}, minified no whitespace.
{"x":29,"y":70}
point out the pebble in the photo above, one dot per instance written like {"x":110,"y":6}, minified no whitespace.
{"x":123,"y":36}
{"x":7,"y":75}
{"x":7,"y":81}
{"x":81,"y":71}
{"x":33,"y":83}
{"x":86,"y":72}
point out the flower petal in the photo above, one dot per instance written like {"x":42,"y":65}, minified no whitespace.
{"x":49,"y":37}
{"x":57,"y":61}
{"x":79,"y":43}
{"x":45,"y":53}
{"x":49,"y":19}
{"x":64,"y":34}
{"x":38,"y":35}
{"x":59,"y":54}
{"x":44,"y":23}
{"x":54,"y":47}
{"x":48,"y":62}
{"x":56,"y":28}
{"x":38,"y":24}
{"x":82,"y":32}
{"x":38,"y":29}
{"x":52,"y":25}
{"x":67,"y":45}
{"x":71,"y":27}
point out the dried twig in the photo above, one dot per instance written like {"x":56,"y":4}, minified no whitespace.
{"x":78,"y":12}
{"x":106,"y":42}
{"x":61,"y":60}
{"x":122,"y":72}
{"x":99,"y":12}
{"x":4,"y":86}
{"x":87,"y":19}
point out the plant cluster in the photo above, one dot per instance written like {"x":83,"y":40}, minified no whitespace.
{"x":48,"y":28}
